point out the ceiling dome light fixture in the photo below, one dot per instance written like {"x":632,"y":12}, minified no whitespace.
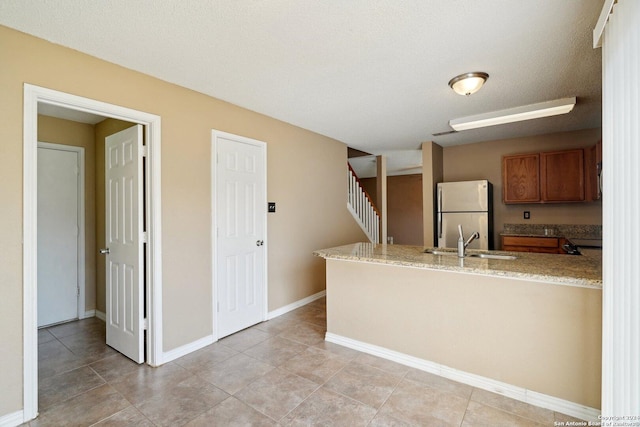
{"x":468,"y":83}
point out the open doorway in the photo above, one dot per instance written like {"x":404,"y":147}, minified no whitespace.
{"x":149,"y":126}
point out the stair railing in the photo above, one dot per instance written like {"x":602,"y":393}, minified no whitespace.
{"x":362,"y":208}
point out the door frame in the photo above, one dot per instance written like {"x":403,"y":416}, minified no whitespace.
{"x":215,"y":134}
{"x":81,"y":219}
{"x":152,"y":123}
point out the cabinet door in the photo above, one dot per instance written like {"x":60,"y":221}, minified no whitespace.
{"x":562,"y":176}
{"x":549,"y":245}
{"x":520,"y":178}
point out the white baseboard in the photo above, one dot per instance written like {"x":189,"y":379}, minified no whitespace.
{"x":101,"y":315}
{"x":518,"y":393}
{"x":176,"y":353}
{"x":290,"y":307}
{"x":12,"y":420}
{"x":88,"y":314}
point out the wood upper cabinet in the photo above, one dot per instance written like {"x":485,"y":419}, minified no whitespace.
{"x":562,"y":176}
{"x":521,"y":179}
{"x":549,"y":177}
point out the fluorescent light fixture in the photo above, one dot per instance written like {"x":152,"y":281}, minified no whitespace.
{"x":526,"y":112}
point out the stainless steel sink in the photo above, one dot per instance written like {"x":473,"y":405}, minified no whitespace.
{"x":437,"y":252}
{"x":492,"y":256}
{"x":474,"y":255}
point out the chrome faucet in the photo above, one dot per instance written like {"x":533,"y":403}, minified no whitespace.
{"x":462,"y":245}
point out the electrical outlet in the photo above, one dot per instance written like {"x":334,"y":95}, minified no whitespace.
{"x":527,"y":215}
{"x":272,"y":207}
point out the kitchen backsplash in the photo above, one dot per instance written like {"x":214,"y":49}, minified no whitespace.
{"x":563,"y":230}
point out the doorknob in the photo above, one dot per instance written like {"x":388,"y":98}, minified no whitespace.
{"x":105,"y":251}
{"x":260,"y":243}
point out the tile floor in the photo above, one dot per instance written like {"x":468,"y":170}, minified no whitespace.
{"x":279,"y":372}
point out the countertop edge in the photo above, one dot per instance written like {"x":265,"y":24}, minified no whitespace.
{"x":542,"y":278}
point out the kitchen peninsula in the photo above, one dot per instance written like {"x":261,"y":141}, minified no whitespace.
{"x":529,"y":328}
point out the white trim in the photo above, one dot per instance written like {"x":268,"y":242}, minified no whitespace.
{"x":13,"y":419}
{"x":290,"y":307}
{"x":101,"y":315}
{"x":88,"y":313}
{"x":518,"y":393}
{"x":215,"y":134}
{"x":32,"y":96}
{"x":598,"y":31}
{"x":183,"y":350}
{"x":82,"y":256}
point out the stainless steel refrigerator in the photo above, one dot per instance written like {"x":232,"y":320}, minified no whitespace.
{"x":469,"y":203}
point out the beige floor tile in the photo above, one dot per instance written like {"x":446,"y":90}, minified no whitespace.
{"x":418,"y":404}
{"x":84,"y":409}
{"x":516,"y":407}
{"x":482,"y":415}
{"x":384,"y":364}
{"x":115,"y":366}
{"x":276,"y":326}
{"x":93,"y":326}
{"x":89,"y":349}
{"x":73,"y":393}
{"x":234,"y":373}
{"x":563,"y":418}
{"x":276,"y":393}
{"x":309,"y":314}
{"x":207,"y":356}
{"x":338,"y":349}
{"x":128,"y":417}
{"x":276,"y":350}
{"x":64,"y":386}
{"x":245,"y":339}
{"x":143,"y":384}
{"x":304,"y":333}
{"x":325,"y":408}
{"x":363,"y":383}
{"x":232,"y":413}
{"x":382,"y":420}
{"x":181,"y":403}
{"x":315,"y":364}
{"x":439,"y":382}
{"x":45,"y":336}
{"x":54,"y":358}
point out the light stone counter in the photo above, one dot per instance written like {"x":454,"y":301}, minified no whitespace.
{"x":572,"y":270}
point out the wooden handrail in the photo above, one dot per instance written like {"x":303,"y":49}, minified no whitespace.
{"x":373,"y":205}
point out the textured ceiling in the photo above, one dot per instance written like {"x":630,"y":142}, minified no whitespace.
{"x":370,"y":73}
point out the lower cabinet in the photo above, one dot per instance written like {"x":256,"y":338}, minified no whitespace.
{"x":549,"y":245}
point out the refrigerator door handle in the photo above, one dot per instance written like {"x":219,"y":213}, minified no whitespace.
{"x":440,"y":213}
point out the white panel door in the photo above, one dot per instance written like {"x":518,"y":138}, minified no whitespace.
{"x":58,"y":231}
{"x":240,"y":210}
{"x":124,"y":275}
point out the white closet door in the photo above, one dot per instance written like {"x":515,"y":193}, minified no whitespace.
{"x":58,"y":230}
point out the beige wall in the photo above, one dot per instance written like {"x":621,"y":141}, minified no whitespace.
{"x":432,"y":172}
{"x":306,"y":177}
{"x":59,"y":131}
{"x":543,"y":337}
{"x":483,"y":160}
{"x":404,"y":207}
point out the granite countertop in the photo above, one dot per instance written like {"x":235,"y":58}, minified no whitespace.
{"x":571,"y":270}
